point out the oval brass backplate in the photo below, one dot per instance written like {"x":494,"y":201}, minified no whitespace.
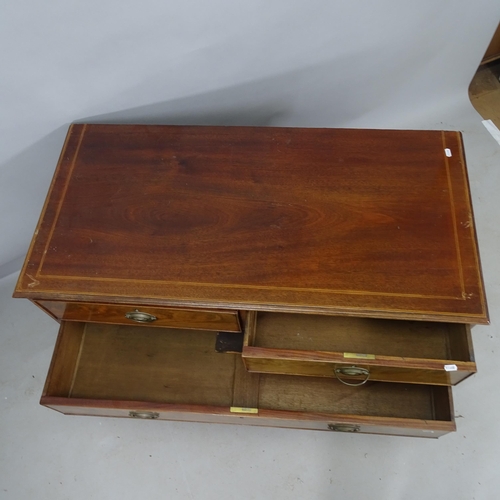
{"x":353,"y":371}
{"x":144,"y":414}
{"x":344,"y":427}
{"x":140,"y":317}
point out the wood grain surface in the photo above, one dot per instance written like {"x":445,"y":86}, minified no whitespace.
{"x":198,"y":319}
{"x":269,"y":418}
{"x":354,"y":222}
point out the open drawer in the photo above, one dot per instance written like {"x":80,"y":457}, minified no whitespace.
{"x":356,"y":350}
{"x":162,"y":373}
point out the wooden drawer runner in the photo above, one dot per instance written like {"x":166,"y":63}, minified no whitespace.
{"x":198,"y":319}
{"x":358,"y":349}
{"x":127,"y":371}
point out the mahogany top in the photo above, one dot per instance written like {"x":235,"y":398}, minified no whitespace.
{"x":354,"y":222}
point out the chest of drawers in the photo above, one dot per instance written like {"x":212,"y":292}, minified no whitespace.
{"x":303,"y":278}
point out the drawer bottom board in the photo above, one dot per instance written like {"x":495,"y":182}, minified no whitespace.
{"x":163,"y":373}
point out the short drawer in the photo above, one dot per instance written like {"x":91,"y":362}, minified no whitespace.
{"x":170,"y":317}
{"x":126,"y":371}
{"x":356,"y":350}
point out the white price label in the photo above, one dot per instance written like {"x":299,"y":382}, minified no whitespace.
{"x":450,"y":368}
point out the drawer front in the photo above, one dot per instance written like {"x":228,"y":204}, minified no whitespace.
{"x":384,"y":350}
{"x":264,"y":418}
{"x":198,"y":319}
{"x":113,"y":370}
{"x":354,"y":372}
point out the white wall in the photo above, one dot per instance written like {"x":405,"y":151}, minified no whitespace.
{"x":390,"y":63}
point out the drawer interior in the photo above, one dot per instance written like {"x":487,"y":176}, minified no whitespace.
{"x":379,"y":399}
{"x":414,"y":339}
{"x":128,"y":363}
{"x":166,"y":365}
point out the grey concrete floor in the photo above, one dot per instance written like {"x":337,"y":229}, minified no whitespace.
{"x":44,"y":454}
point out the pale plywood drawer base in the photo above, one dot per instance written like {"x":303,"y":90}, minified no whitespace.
{"x":112,"y":370}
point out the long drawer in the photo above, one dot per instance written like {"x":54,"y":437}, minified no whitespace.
{"x":199,"y":319}
{"x":135,"y":372}
{"x":356,"y":350}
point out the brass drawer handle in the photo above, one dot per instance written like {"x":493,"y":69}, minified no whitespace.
{"x":343,"y":427}
{"x":352,"y":371}
{"x":140,"y":317}
{"x":144,"y":414}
